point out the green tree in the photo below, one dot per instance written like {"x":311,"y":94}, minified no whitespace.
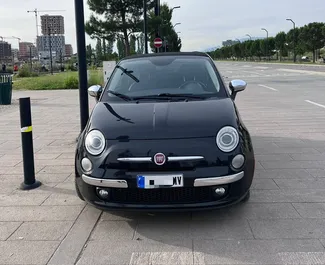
{"x":166,"y":30}
{"x":132,"y":44}
{"x":120,"y":47}
{"x":312,"y":37}
{"x":99,"y":50}
{"x":89,"y":53}
{"x":280,"y":43}
{"x":111,"y":19}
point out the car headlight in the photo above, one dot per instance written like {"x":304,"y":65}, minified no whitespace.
{"x":95,"y":142}
{"x":227,"y":139}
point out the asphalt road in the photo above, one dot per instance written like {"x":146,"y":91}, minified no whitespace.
{"x":282,"y":223}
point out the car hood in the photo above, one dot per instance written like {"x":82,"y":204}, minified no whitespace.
{"x":163,"y":120}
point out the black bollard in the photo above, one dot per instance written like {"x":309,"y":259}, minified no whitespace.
{"x":27,"y":145}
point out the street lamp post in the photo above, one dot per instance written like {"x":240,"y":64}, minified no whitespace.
{"x":176,"y":25}
{"x":294,"y":39}
{"x":266,"y":46}
{"x":249,"y":36}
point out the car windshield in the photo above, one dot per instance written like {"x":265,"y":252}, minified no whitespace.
{"x":166,"y":76}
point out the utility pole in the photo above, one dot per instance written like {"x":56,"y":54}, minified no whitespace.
{"x":157,"y":13}
{"x":145,"y":28}
{"x":50,"y":44}
{"x":30,"y":58}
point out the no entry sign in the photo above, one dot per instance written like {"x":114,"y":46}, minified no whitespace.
{"x":158,"y":42}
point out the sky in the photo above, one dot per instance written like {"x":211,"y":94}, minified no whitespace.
{"x":204,"y":23}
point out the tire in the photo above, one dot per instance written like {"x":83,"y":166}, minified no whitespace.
{"x":246,"y":198}
{"x":78,"y":191}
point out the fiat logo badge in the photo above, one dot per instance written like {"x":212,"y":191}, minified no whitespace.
{"x":159,"y":159}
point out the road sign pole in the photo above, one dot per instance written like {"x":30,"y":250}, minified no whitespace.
{"x":82,"y":64}
{"x":145,"y":30}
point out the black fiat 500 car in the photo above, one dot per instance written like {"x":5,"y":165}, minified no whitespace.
{"x":165,"y":134}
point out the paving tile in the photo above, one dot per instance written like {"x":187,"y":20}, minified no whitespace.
{"x":221,"y":229}
{"x":51,"y":178}
{"x":282,"y":173}
{"x":63,"y":199}
{"x":292,"y":164}
{"x":318,"y":173}
{"x":308,"y":157}
{"x":22,"y":199}
{"x":274,"y":157}
{"x":284,"y":150}
{"x":57,"y":169}
{"x":288,"y":228}
{"x":264,"y":184}
{"x":7,"y":228}
{"x":249,"y":211}
{"x":34,"y":252}
{"x":287,"y":195}
{"x":310,"y":210}
{"x":40,"y":213}
{"x":42,"y":231}
{"x":310,"y":183}
{"x":108,"y":230}
{"x":123,"y":252}
{"x":212,"y":252}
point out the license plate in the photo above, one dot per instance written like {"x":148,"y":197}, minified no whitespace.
{"x":159,"y":181}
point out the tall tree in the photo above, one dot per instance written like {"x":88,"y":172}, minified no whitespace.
{"x":89,"y":52}
{"x":99,"y":50}
{"x":166,"y":29}
{"x":280,"y":41}
{"x":132,"y":44}
{"x":312,"y":37}
{"x":120,"y":47}
{"x":112,"y":18}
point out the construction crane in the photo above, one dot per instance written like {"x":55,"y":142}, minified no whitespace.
{"x":41,"y":11}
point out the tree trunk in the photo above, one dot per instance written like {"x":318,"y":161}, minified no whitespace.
{"x":126,"y":37}
{"x":314,"y":55}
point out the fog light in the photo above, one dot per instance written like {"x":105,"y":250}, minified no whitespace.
{"x":86,"y":164}
{"x":220,"y":191}
{"x":103,"y":193}
{"x":238,"y":161}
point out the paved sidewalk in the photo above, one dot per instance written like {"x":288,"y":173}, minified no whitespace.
{"x":283,"y":223}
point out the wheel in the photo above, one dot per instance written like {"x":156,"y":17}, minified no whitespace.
{"x":78,"y":191}
{"x":246,"y":198}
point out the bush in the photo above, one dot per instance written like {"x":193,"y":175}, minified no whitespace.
{"x":24,"y":71}
{"x":71,"y":82}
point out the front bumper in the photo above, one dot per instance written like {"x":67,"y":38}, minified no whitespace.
{"x":197,"y":193}
{"x":198,"y":182}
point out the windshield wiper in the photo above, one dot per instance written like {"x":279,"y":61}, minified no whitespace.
{"x":168,"y":96}
{"x":128,"y":73}
{"x":122,"y":96}
{"x":179,"y":95}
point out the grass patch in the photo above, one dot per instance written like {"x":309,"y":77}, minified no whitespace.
{"x":65,"y":80}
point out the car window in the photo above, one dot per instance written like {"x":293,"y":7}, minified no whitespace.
{"x":155,"y":75}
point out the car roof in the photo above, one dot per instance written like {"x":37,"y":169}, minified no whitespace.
{"x":164,"y":54}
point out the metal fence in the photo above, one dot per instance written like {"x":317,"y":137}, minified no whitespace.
{"x":5,"y":88}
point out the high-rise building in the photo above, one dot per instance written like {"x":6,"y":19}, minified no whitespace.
{"x":52,"y":25}
{"x":57,"y":44}
{"x":68,"y":50}
{"x":5,"y":52}
{"x":15,"y":54}
{"x":25,"y":48}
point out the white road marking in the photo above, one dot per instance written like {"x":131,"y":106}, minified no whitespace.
{"x":167,"y":258}
{"x":269,"y":87}
{"x":316,"y":104}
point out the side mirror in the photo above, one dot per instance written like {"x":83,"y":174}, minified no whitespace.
{"x":95,"y":91}
{"x":236,"y":86}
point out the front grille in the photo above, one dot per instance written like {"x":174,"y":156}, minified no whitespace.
{"x":163,"y":196}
